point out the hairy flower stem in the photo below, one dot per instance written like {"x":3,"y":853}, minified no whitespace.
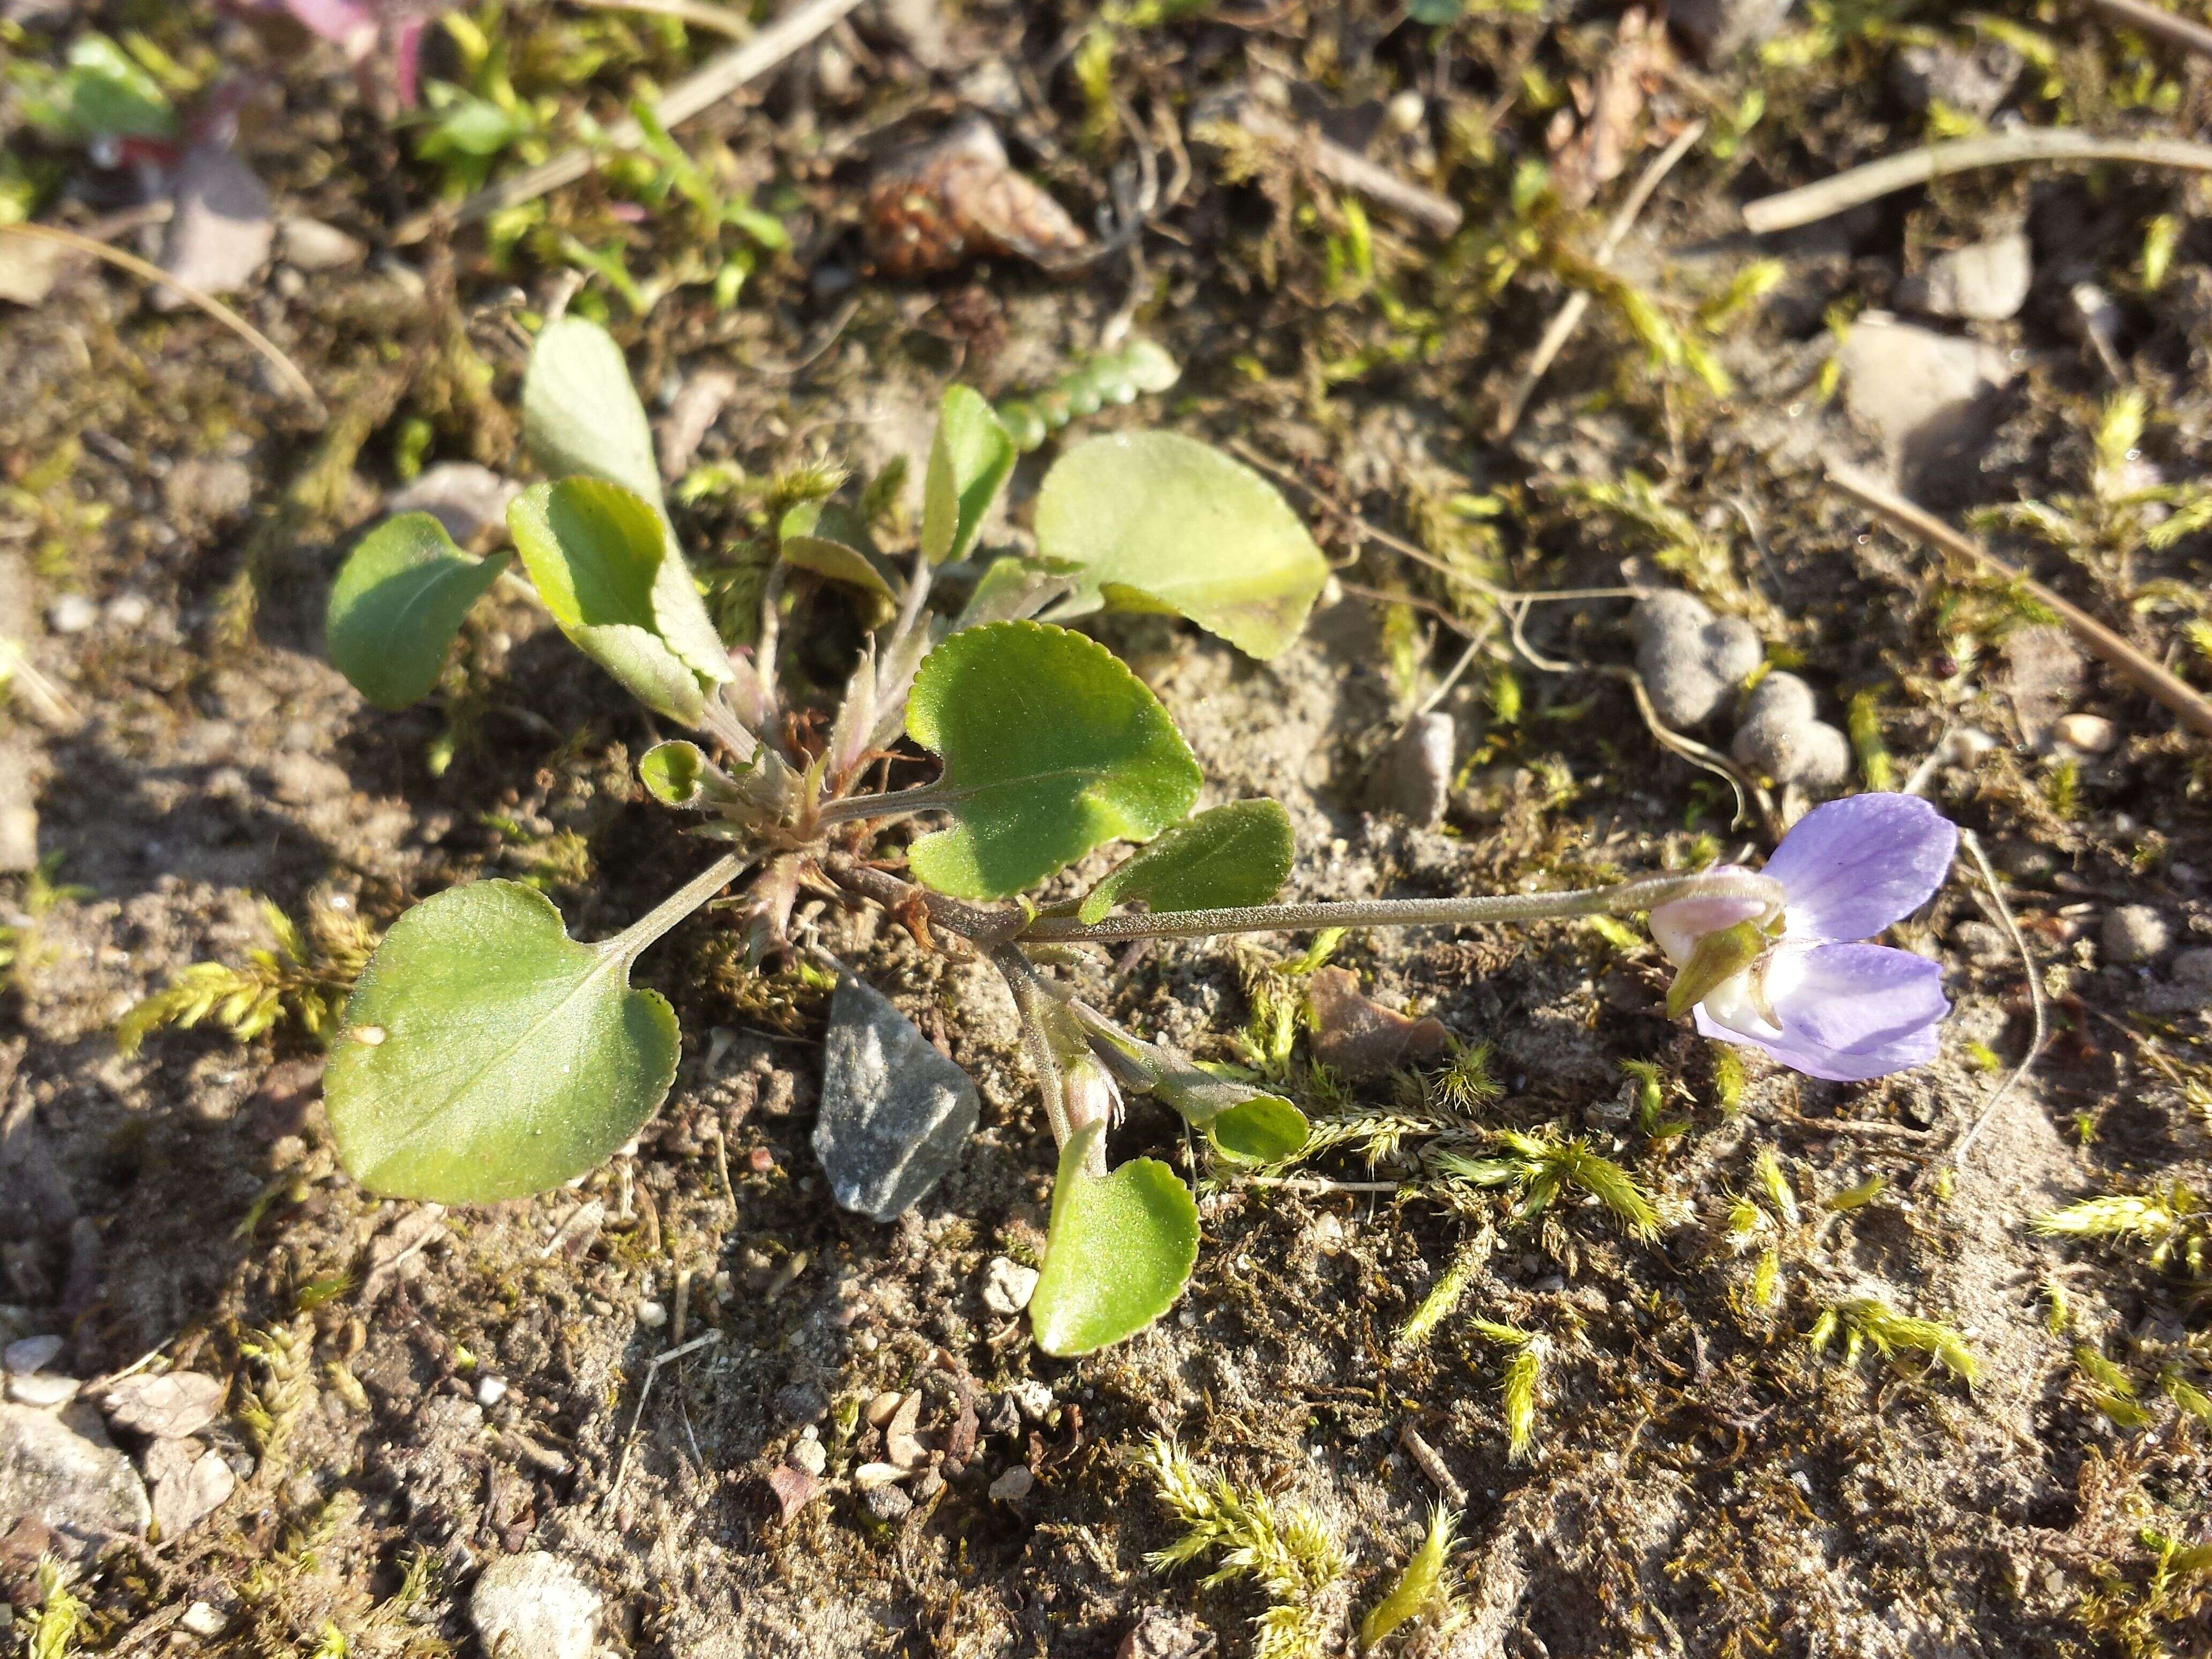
{"x":635,"y":939}
{"x":1627,"y":898}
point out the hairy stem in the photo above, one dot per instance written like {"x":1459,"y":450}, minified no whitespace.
{"x":899,"y":804}
{"x":635,"y":939}
{"x":1626,"y":898}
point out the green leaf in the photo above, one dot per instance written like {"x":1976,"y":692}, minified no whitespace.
{"x":1235,"y":854}
{"x":676,"y":774}
{"x":810,"y":536}
{"x":1051,"y":746}
{"x":969,"y":461}
{"x":486,"y":1055}
{"x":1265,"y":1129}
{"x":1117,"y":1253}
{"x":580,"y":416}
{"x":596,"y":552}
{"x":397,"y":605}
{"x":580,"y":413}
{"x":1161,"y":522}
{"x":103,"y":94}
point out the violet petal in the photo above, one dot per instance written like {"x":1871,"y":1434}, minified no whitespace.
{"x":1851,"y":867}
{"x":1847,"y":1011}
{"x":407,"y":59}
{"x":343,"y":20}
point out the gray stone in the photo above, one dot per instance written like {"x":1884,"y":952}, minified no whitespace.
{"x":1719,"y":29}
{"x":1008,"y":1286}
{"x":1930,"y":397}
{"x":31,"y":1353}
{"x":1035,"y":1398}
{"x":1781,"y":737}
{"x":1972,"y":81}
{"x":310,"y":245}
{"x":2136,"y":934}
{"x":189,"y":1485}
{"x":533,"y":1605}
{"x":887,"y":1503}
{"x":167,"y":1407}
{"x":2192,"y":968}
{"x":1985,"y":281}
{"x":1414,"y":778}
{"x":1016,"y":1484}
{"x":43,"y":1389}
{"x":896,"y":1114}
{"x":461,"y":496}
{"x":224,"y":228}
{"x":1690,"y":660}
{"x":78,"y":1484}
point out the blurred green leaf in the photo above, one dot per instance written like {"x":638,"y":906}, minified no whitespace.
{"x":1050,"y":745}
{"x":1160,"y":522}
{"x":1236,"y":854}
{"x":485,"y":1055}
{"x":1118,"y":1251}
{"x":969,"y":461}
{"x":398,"y":601}
{"x":100,"y":94}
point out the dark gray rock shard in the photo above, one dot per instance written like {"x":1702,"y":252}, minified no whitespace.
{"x":896,"y":1114}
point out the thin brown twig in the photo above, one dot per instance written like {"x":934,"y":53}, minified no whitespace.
{"x":1578,"y":303}
{"x":2158,"y":21}
{"x":700,"y":14}
{"x":1348,"y":169}
{"x":286,"y":370}
{"x":709,"y":86}
{"x":1811,"y":203}
{"x":2151,"y":678}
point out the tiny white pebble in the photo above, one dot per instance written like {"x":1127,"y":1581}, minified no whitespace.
{"x":491,"y":1390}
{"x":651,"y":1315}
{"x":368,"y":1036}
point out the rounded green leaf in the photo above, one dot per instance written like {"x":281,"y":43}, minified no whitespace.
{"x":1265,"y":1129}
{"x":1236,"y":854}
{"x":580,"y":416}
{"x":1162,"y":522}
{"x":397,"y":605}
{"x":969,"y":461}
{"x":1050,"y":745}
{"x":675,"y":774}
{"x":595,"y":551}
{"x":486,"y":1055}
{"x":580,"y":413}
{"x":810,"y":538}
{"x":1118,"y":1251}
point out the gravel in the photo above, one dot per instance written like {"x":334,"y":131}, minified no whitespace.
{"x":534,"y":1605}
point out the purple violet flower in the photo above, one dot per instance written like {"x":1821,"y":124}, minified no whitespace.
{"x":1812,"y":994}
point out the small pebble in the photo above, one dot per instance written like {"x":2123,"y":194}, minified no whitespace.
{"x":2136,"y":934}
{"x":1008,"y":1286}
{"x":72,"y":613}
{"x":760,"y":1160}
{"x":1013,"y":1485}
{"x":652,"y":1314}
{"x":203,"y":1619}
{"x":128,"y":611}
{"x":534,"y":1604}
{"x":1406,"y":109}
{"x":491,"y":1390}
{"x":1035,"y":1398}
{"x":42,"y":1388}
{"x":810,"y":1454}
{"x":2086,"y":734}
{"x":30,"y":1353}
{"x":883,"y":1408}
{"x":887,"y":1503}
